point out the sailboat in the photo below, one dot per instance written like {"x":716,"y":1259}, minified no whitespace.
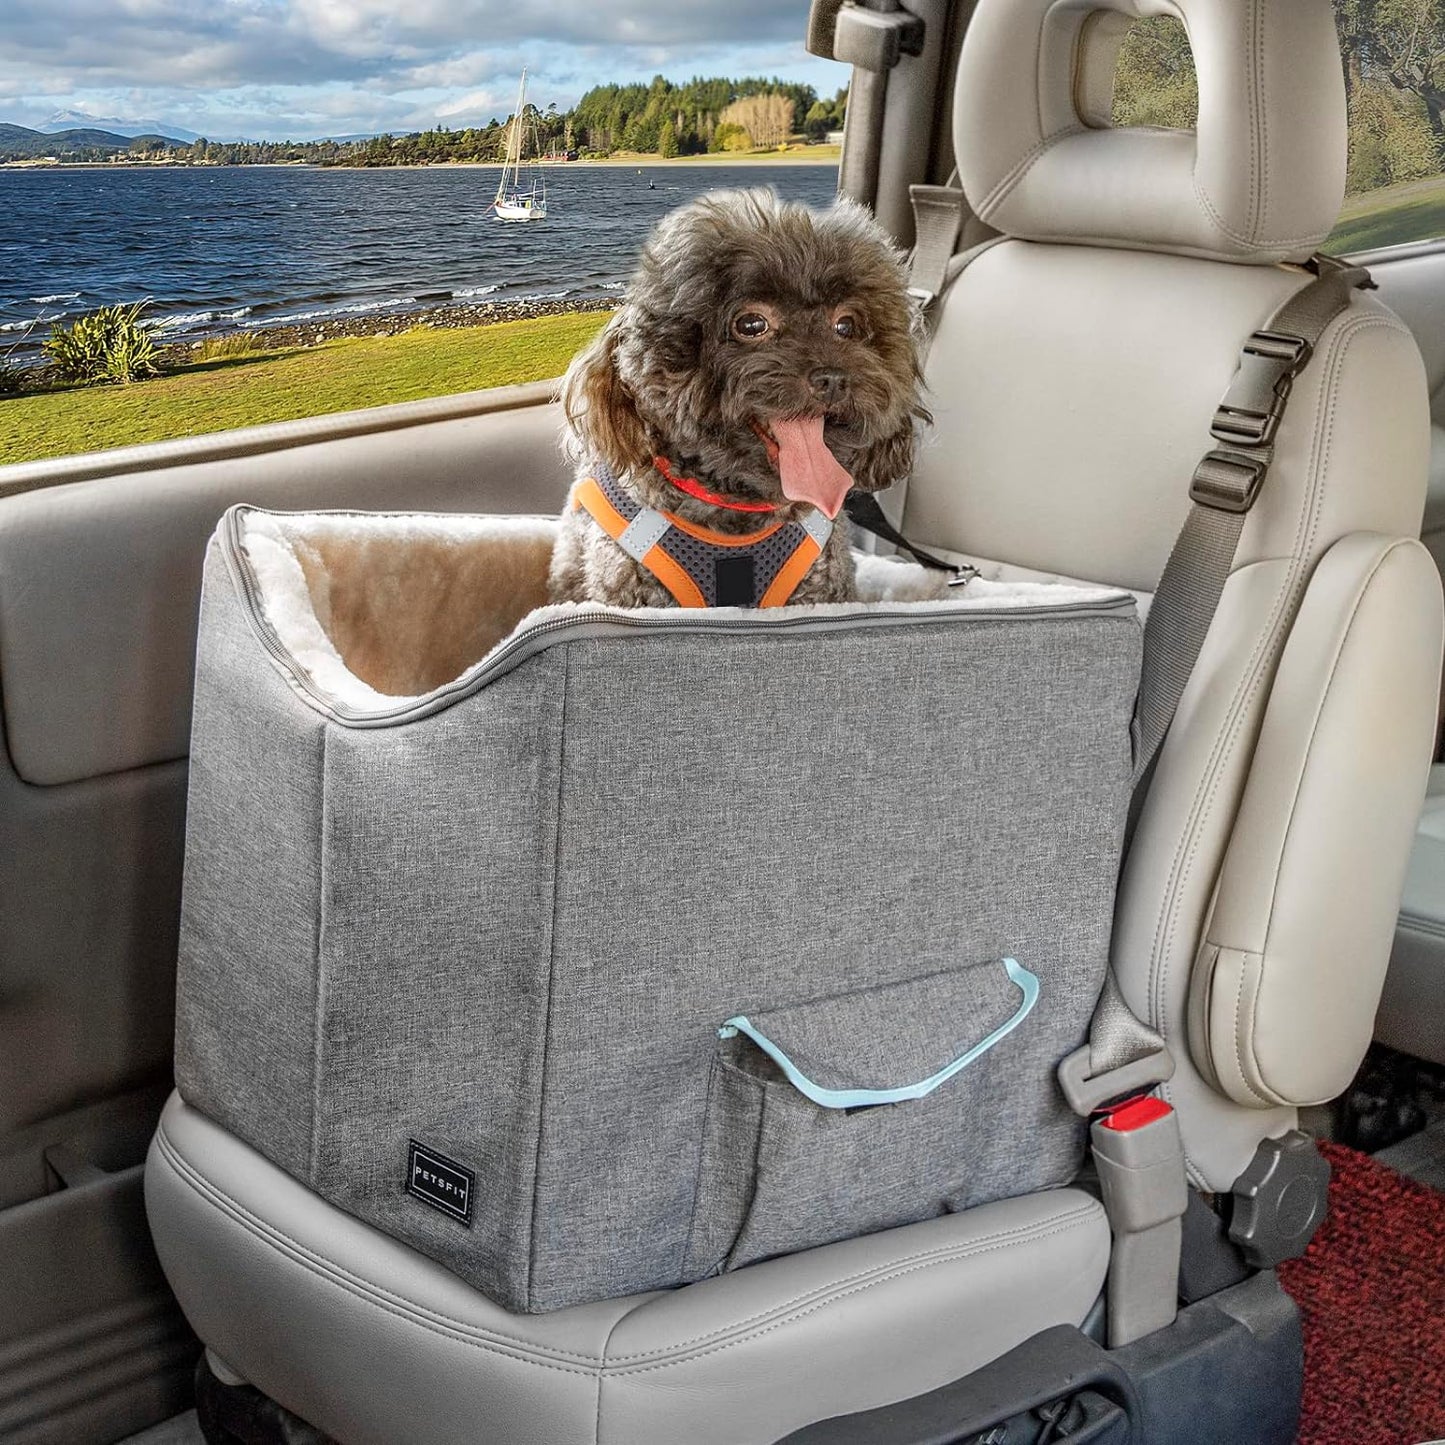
{"x":516,"y":200}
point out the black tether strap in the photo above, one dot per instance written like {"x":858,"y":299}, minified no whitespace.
{"x":863,"y":511}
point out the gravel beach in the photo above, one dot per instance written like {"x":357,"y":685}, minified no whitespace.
{"x":449,"y":316}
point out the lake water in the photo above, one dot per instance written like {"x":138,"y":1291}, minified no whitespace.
{"x":227,"y":248}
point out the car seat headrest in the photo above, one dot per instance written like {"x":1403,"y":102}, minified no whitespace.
{"x":1260,"y":180}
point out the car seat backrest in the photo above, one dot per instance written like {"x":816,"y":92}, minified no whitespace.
{"x":1075,"y":369}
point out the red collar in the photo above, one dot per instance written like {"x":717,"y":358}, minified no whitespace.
{"x":695,"y":488}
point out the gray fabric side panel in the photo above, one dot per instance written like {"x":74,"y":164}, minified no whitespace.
{"x":437,"y":914}
{"x":719,"y":856}
{"x":246,"y":982}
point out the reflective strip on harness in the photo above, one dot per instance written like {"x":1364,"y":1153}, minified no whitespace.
{"x":701,"y":567}
{"x":643,"y":533}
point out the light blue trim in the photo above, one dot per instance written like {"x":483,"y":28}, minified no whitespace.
{"x":1028,"y":985}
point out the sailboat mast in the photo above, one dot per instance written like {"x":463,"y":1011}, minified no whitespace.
{"x":517,"y":131}
{"x":513,"y":159}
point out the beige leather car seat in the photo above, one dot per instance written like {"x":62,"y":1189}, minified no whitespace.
{"x":1075,"y":369}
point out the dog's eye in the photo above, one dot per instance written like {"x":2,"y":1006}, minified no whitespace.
{"x":750,"y":325}
{"x":846,"y":326}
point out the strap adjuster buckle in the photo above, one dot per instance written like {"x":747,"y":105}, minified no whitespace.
{"x":1228,"y":481}
{"x":1254,"y":403}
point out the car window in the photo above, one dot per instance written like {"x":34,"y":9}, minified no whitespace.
{"x":1393,"y":56}
{"x":1394,"y":60}
{"x":204,"y":239}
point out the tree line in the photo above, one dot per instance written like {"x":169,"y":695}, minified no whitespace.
{"x":1393,"y":56}
{"x":659,"y":118}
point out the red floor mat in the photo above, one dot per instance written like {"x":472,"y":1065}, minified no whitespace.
{"x":1371,"y":1289}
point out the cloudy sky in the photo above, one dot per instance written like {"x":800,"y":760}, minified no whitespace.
{"x":306,"y":68}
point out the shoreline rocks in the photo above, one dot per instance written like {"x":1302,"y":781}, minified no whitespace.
{"x":181,"y":351}
{"x":445,"y":316}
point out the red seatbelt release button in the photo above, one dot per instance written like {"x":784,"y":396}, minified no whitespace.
{"x":1135,"y":1114}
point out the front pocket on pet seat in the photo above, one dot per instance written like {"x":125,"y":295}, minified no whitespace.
{"x":847,"y":1115}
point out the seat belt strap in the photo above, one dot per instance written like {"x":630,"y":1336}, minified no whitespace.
{"x":1224,"y":488}
{"x":938,"y":216}
{"x":937,"y":221}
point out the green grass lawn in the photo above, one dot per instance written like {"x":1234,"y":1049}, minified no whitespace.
{"x":282,"y":386}
{"x":1411,"y":211}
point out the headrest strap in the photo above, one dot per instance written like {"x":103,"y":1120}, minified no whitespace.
{"x":937,"y":220}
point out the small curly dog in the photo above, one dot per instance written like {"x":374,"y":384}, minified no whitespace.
{"x":762,"y":364}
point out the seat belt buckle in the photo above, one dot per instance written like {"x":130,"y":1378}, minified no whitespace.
{"x":1250,"y":412}
{"x":1090,"y":1095}
{"x":1139,"y":1156}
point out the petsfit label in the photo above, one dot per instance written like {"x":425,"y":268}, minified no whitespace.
{"x":439,"y":1181}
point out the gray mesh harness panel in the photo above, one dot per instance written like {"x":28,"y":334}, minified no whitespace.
{"x":705,"y":561}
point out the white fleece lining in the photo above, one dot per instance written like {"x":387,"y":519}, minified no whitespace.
{"x":287,"y":606}
{"x":504,"y":562}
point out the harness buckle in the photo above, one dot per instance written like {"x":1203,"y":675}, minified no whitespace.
{"x":1228,"y":481}
{"x":1254,"y":403}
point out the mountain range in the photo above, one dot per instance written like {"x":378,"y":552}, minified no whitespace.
{"x":67,"y":120}
{"x":18,"y":142}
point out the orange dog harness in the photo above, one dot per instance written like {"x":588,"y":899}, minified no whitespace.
{"x":701,"y":567}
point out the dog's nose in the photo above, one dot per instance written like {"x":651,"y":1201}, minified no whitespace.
{"x":829,"y":383}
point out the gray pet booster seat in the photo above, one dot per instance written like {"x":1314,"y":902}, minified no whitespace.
{"x":591,"y":951}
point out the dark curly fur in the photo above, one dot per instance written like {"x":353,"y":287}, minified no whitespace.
{"x":670,"y":376}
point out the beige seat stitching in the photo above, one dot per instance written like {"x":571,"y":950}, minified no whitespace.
{"x":1324,"y":434}
{"x":1239,"y":237}
{"x":1224,"y":743}
{"x":814,"y":1298}
{"x":1324,"y":440}
{"x":1004,"y":1239}
{"x":1239,"y":1031}
{"x":1259,"y":130}
{"x":1021,"y":168}
{"x":1063,"y":1225}
{"x":1339,"y":649}
{"x":1250,"y":678}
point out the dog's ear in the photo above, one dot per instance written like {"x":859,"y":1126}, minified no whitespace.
{"x":887,"y":461}
{"x":600,"y":411}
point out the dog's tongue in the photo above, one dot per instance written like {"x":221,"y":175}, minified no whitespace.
{"x":808,"y":471}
